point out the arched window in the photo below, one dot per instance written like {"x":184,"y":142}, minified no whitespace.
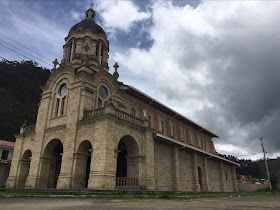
{"x":101,"y":54}
{"x":150,"y":120}
{"x":102,"y":95}
{"x":132,"y":111}
{"x":71,"y":50}
{"x":97,"y":48}
{"x":61,"y":97}
{"x":201,"y":143}
{"x":204,"y":144}
{"x":173,"y":131}
{"x":162,"y":127}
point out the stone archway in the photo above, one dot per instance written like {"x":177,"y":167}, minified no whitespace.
{"x":127,"y":173}
{"x":82,"y":162}
{"x":24,"y":166}
{"x":50,"y":164}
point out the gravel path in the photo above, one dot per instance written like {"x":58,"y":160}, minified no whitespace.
{"x":252,"y":202}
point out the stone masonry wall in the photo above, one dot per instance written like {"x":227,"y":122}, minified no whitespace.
{"x":163,"y":167}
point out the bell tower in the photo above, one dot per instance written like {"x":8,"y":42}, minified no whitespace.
{"x":86,"y":45}
{"x":90,"y":14}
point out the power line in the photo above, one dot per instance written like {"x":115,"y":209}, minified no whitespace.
{"x":25,"y":52}
{"x":25,"y":47}
{"x":20,"y":54}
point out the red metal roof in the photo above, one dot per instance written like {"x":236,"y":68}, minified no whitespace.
{"x":159,"y":106}
{"x":7,"y":143}
{"x":4,"y":161}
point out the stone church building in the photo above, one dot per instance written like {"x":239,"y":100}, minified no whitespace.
{"x":93,"y":131}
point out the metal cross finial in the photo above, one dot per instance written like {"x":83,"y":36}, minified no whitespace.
{"x":55,"y":62}
{"x":90,"y":5}
{"x":116,"y":66}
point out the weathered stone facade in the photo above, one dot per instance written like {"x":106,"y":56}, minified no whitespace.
{"x":95,"y":132}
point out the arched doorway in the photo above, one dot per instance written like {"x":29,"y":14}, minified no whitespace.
{"x":50,"y":164}
{"x":127,"y":173}
{"x":200,"y":178}
{"x":24,"y":168}
{"x":82,"y":165}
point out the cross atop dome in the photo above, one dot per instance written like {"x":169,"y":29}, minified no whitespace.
{"x":90,"y":14}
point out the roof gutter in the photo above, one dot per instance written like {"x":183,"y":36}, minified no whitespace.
{"x":194,"y":148}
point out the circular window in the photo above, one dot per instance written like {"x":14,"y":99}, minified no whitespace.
{"x":102,"y":92}
{"x":63,"y":90}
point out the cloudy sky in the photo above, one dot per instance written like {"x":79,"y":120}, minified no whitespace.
{"x":216,"y":62}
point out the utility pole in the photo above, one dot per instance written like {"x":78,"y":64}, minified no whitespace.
{"x":267,"y":171}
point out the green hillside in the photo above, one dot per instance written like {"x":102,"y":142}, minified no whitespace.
{"x":20,"y":94}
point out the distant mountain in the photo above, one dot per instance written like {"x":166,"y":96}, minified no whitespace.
{"x":20,"y":94}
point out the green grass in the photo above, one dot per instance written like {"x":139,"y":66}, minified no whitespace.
{"x":128,"y":195}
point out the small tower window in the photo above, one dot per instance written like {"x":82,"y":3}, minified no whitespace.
{"x":61,"y":97}
{"x":173,"y":128}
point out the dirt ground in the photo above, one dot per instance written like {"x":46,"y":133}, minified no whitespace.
{"x":252,"y":202}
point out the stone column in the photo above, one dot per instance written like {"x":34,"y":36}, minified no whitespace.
{"x":23,"y":172}
{"x":32,"y":178}
{"x":206,"y":186}
{"x":195,"y":180}
{"x":222,"y":176}
{"x":79,"y":47}
{"x":148,"y":173}
{"x":104,"y":58}
{"x":99,"y":52}
{"x":43,"y":177}
{"x":103,"y":167}
{"x":234,"y":182}
{"x":79,"y":168}
{"x":175,"y":169}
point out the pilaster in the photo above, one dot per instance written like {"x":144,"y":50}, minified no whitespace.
{"x":234,"y":182}
{"x":195,"y":180}
{"x":222,"y":176}
{"x":148,"y":164}
{"x":175,"y":169}
{"x":206,"y":186}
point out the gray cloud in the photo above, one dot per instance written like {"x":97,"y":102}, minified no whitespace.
{"x":220,"y":62}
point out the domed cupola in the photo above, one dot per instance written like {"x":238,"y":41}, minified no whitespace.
{"x":86,"y":45}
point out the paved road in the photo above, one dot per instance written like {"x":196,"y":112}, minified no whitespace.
{"x":253,"y":202}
